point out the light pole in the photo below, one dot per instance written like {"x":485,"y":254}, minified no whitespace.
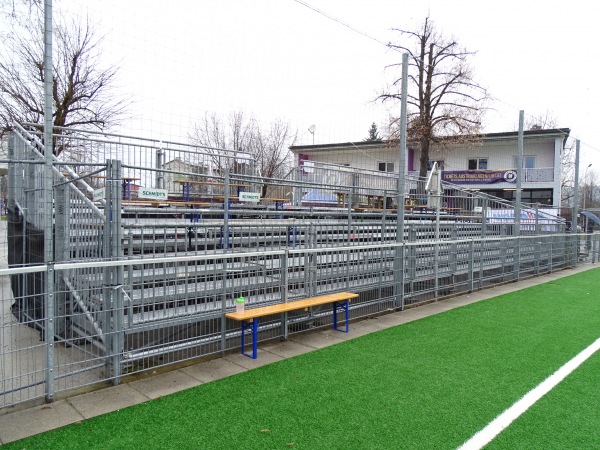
{"x":585,"y":195}
{"x":585,"y":180}
{"x":312,"y":129}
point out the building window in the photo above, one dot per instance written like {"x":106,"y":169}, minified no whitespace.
{"x":528,"y":162}
{"x":385,"y":166}
{"x":440,"y":164}
{"x":478,"y":164}
{"x":542,"y":197}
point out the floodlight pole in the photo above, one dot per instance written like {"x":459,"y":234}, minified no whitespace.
{"x":574,"y":214}
{"x":576,"y":192}
{"x":517,"y":230}
{"x":517,"y":227}
{"x":399,"y":253}
{"x":48,"y":206}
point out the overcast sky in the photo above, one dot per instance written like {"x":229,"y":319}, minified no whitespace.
{"x":278,"y":59}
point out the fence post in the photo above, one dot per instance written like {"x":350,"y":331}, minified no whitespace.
{"x":412,"y":255}
{"x":484,"y":217}
{"x":537,"y":254}
{"x":398,"y":276}
{"x":471,"y":265}
{"x":517,"y":258}
{"x":226,"y":212}
{"x":297,"y":190}
{"x":482,"y":245}
{"x":61,"y":247}
{"x":576,"y":248}
{"x":112,"y":327}
{"x":284,"y":289}
{"x":453,"y":256}
{"x":312,"y":262}
{"x":49,"y":331}
{"x":550,"y":256}
{"x":354,"y":193}
{"x":399,"y":253}
{"x":224,"y":305}
{"x":160,"y":161}
{"x":12,"y":173}
{"x":30,"y":193}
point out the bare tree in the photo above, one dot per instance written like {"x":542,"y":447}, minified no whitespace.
{"x":547,"y":121}
{"x":268,"y":148}
{"x":216,"y":134}
{"x":83,"y":91}
{"x":443,"y":100}
{"x":543,"y":121}
{"x":588,"y":188}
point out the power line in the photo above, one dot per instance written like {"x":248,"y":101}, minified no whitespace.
{"x":387,"y":45}
{"x":350,"y":27}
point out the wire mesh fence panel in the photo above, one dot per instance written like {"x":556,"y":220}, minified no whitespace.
{"x":23,"y":353}
{"x":154,"y":241}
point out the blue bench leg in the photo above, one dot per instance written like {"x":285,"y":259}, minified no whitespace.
{"x":254,"y":326}
{"x":345,"y":307}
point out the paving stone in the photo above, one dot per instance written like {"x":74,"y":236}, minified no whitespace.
{"x":262,"y":359}
{"x":107,"y":400}
{"x":213,"y":370}
{"x":164,"y":384}
{"x":288,"y":349}
{"x":393,"y":319}
{"x":32,"y":421}
{"x":318,"y":340}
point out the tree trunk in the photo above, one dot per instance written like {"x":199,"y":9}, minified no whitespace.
{"x":424,"y":161}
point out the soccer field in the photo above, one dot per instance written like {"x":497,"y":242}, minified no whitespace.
{"x":432,"y":383}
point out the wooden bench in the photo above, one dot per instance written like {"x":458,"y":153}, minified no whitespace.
{"x":158,"y":203}
{"x":186,"y":186}
{"x":278,"y":201}
{"x":342,"y":199}
{"x":250,"y":317}
{"x":209,"y":183}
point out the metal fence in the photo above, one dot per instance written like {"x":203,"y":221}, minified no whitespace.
{"x":139,"y":283}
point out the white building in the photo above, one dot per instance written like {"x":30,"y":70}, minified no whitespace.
{"x":487,"y":164}
{"x":184,"y":169}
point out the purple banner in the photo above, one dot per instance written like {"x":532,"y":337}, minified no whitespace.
{"x":479,"y":176}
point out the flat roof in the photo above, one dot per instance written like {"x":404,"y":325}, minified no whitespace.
{"x":487,"y":136}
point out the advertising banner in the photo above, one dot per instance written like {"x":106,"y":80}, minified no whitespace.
{"x":249,"y":197}
{"x":479,"y":176}
{"x":155,"y":194}
{"x":547,"y":219}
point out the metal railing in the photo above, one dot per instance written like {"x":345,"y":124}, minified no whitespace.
{"x":140,"y":284}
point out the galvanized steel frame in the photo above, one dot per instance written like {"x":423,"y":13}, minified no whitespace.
{"x":137,"y":288}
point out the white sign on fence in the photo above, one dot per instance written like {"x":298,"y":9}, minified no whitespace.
{"x":154,"y":194}
{"x":249,"y":197}
{"x":99,"y":194}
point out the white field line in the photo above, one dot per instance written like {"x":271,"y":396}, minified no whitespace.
{"x":495,"y":427}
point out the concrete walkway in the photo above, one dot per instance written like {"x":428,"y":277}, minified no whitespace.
{"x":21,"y":423}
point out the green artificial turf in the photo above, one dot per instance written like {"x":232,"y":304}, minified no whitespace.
{"x":431,"y":383}
{"x":568,"y":417}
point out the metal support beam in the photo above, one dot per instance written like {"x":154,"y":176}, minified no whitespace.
{"x":48,"y":199}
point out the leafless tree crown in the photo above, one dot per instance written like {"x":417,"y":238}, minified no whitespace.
{"x":268,"y":146}
{"x":83,"y":90}
{"x":443,"y":99}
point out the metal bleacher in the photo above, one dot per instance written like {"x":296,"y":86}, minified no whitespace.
{"x":140,"y":284}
